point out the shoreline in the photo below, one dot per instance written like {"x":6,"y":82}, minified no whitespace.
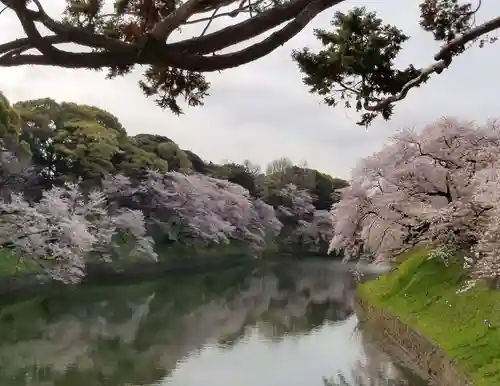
{"x":409,"y":346}
{"x":452,"y":335}
{"x":103,"y":274}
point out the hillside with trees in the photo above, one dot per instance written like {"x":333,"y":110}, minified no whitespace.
{"x":76,"y":188}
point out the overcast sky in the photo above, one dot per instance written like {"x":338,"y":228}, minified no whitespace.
{"x":262,"y":111}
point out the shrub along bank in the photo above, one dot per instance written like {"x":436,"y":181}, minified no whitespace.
{"x":423,"y":293}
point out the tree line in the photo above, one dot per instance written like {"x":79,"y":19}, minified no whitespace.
{"x":76,"y":188}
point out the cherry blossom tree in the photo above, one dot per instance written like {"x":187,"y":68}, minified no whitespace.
{"x":306,"y":227}
{"x":316,"y":235}
{"x":419,"y":187}
{"x":60,"y":231}
{"x":485,"y":260}
{"x":196,"y":206}
{"x":348,"y":217}
{"x":295,"y":203}
{"x":439,"y":186}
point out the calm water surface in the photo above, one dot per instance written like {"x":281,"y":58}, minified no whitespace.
{"x":291,"y":325}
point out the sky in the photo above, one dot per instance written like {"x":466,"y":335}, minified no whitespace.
{"x":262,"y":111}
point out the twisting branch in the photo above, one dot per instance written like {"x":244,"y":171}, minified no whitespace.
{"x":444,"y":58}
{"x":189,"y":54}
{"x":247,"y":29}
{"x":163,"y":29}
{"x":186,"y":55}
{"x":27,"y":19}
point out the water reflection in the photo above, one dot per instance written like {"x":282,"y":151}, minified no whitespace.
{"x":287,"y":325}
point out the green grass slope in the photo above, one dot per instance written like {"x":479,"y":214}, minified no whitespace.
{"x":423,"y":294}
{"x":11,"y":264}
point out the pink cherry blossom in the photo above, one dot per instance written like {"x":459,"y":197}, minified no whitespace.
{"x":196,"y":206}
{"x":439,"y":186}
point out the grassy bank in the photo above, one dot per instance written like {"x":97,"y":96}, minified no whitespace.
{"x":11,"y":264}
{"x":423,"y":294}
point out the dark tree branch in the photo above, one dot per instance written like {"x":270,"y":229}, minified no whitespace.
{"x":233,"y":13}
{"x":443,"y":58}
{"x":211,"y":19}
{"x":175,"y":55}
{"x":247,"y":29}
{"x":186,"y":55}
{"x":27,"y":19}
{"x":164,"y":29}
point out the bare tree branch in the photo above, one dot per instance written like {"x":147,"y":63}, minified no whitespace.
{"x":242,"y":8}
{"x":25,"y":44}
{"x":27,"y":19}
{"x":210,"y":20}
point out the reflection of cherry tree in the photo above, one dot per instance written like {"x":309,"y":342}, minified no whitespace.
{"x":274,"y":308}
{"x":64,"y":343}
{"x":361,"y":376}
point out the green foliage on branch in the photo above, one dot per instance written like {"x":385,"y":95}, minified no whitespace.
{"x":356,"y":65}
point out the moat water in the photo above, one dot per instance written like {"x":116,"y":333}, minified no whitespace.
{"x":286,"y":325}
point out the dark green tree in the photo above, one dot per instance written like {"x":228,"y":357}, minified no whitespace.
{"x":13,"y":172}
{"x":356,"y":67}
{"x":69,"y":141}
{"x":134,"y":162}
{"x":10,"y":130}
{"x":197,"y":163}
{"x":165,"y":149}
{"x":237,"y":174}
{"x":325,"y":190}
